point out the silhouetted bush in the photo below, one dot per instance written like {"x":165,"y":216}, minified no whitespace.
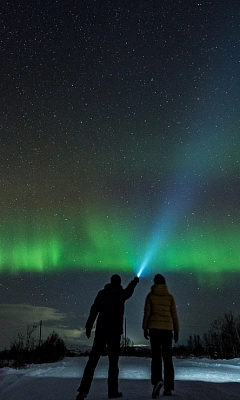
{"x":53,"y":349}
{"x":23,"y":351}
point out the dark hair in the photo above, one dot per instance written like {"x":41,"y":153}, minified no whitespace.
{"x":159,"y":279}
{"x":116,"y":280}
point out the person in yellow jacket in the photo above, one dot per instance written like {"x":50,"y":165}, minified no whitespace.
{"x":160,"y":324}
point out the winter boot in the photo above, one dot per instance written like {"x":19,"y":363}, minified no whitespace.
{"x":167,"y":393}
{"x":156,"y":389}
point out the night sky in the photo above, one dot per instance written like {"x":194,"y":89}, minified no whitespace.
{"x":119,"y":153}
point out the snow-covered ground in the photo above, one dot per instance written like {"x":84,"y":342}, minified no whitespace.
{"x":194,"y":379}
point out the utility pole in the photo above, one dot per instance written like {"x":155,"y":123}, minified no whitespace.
{"x":40,"y":334}
{"x":125,"y":334}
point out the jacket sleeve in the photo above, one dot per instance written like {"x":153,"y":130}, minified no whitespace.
{"x":128,"y":291}
{"x":147,"y":313}
{"x":94,"y":311}
{"x":176,"y":327}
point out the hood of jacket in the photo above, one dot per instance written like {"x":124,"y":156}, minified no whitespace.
{"x":159,"y":290}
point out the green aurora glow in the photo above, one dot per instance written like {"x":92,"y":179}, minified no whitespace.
{"x":97,"y":242}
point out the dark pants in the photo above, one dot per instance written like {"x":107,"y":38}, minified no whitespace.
{"x":99,"y":344}
{"x":161,"y":348}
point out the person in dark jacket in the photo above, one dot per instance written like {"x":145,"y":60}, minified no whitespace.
{"x":108,"y":308}
{"x":160,"y":320}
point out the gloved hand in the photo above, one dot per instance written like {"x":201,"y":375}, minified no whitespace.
{"x":136,"y":279}
{"x":88,"y":332}
{"x":175,"y":336}
{"x":146,"y":334}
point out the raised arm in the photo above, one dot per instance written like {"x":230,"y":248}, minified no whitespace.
{"x":128,"y":291}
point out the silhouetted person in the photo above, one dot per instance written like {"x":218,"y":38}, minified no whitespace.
{"x":109,"y":308}
{"x":160,"y":320}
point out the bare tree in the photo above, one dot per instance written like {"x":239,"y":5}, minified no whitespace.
{"x":29,"y":340}
{"x":222,"y":338}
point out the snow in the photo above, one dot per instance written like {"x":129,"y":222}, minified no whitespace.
{"x":194,"y":379}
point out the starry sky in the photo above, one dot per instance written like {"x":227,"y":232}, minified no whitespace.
{"x":119,"y":153}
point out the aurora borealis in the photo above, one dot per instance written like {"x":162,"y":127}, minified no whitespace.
{"x":109,"y":245}
{"x":189,"y":220}
{"x":119,"y":141}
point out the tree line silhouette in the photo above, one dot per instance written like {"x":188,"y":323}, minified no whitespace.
{"x":221,"y":341}
{"x":25,"y":351}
